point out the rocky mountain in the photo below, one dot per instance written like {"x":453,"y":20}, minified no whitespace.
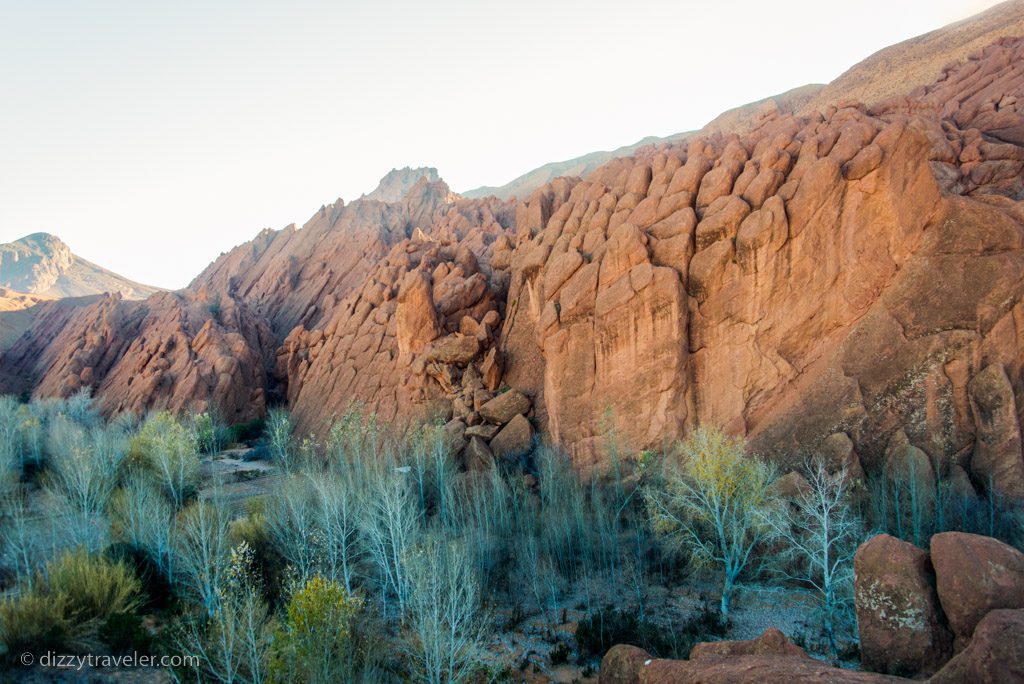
{"x":41,"y":264}
{"x":846,"y":281}
{"x":397,"y":182}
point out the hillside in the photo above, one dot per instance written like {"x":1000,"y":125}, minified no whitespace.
{"x":41,"y":264}
{"x":898,"y":70}
{"x":522,"y":186}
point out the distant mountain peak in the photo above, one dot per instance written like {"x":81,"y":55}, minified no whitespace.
{"x":42,"y":264}
{"x":396,"y":183}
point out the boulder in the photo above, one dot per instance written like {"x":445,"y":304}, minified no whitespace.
{"x":994,"y":656}
{"x":477,"y":455}
{"x":898,"y":613}
{"x":504,"y":407}
{"x":455,"y":349}
{"x":514,"y":440}
{"x":491,"y":369}
{"x":838,"y":452}
{"x":455,"y":435}
{"x":975,"y":575}
{"x":622,"y":663}
{"x":771,"y":642}
{"x":484,"y":431}
{"x":631,"y":665}
{"x":415,"y":318}
{"x":791,"y":485}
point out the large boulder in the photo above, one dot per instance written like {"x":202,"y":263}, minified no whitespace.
{"x":622,"y":664}
{"x":975,"y":575}
{"x":504,"y":407}
{"x":415,"y":318}
{"x":514,"y":440}
{"x":994,"y":656}
{"x":453,"y":349}
{"x":631,"y":665}
{"x":898,"y":614}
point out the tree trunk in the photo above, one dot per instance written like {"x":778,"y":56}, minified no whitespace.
{"x":726,"y":591}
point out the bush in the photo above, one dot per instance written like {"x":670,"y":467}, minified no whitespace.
{"x":320,"y":639}
{"x":91,"y":587}
{"x":31,"y":622}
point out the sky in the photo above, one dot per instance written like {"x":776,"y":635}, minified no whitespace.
{"x":151,"y":136}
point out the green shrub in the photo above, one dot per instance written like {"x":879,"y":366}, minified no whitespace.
{"x":91,"y":587}
{"x":321,"y":639}
{"x":32,"y":621}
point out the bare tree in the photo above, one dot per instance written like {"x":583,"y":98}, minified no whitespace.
{"x":279,"y":436}
{"x":822,"y":531}
{"x":389,"y":523}
{"x":203,"y":548}
{"x":292,"y":525}
{"x":711,"y":504}
{"x":233,"y":644}
{"x":147,"y":518}
{"x":22,"y":542}
{"x":173,"y":452}
{"x":336,"y":509}
{"x":445,"y":617}
{"x":83,"y":471}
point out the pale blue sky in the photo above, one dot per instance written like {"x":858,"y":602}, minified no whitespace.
{"x":151,"y":136}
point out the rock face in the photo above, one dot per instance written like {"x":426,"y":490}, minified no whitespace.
{"x":40,"y":264}
{"x":898,"y":612}
{"x":998,"y":462}
{"x":806,"y":278}
{"x":975,"y":575}
{"x":848,"y":280}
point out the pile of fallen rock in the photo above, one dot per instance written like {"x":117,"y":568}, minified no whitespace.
{"x":954,"y":614}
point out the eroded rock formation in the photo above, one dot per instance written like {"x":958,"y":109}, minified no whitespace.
{"x":849,"y":282}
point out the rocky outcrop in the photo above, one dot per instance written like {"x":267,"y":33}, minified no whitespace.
{"x":771,"y":642}
{"x":898,"y":613}
{"x":975,"y":575}
{"x":998,"y":462}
